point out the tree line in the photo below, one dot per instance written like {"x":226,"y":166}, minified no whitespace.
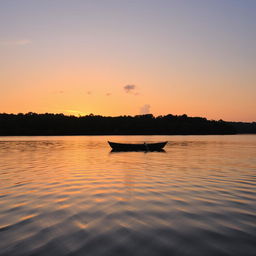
{"x":60,"y":124}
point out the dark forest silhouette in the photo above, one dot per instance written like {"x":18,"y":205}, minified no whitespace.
{"x":60,"y":124}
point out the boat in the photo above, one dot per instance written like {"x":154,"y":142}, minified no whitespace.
{"x":137,"y":147}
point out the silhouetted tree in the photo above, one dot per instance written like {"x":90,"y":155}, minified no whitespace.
{"x":58,"y":124}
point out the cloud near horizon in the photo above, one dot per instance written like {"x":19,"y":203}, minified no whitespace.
{"x":145,"y":109}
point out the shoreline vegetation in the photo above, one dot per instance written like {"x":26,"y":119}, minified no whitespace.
{"x":60,"y":124}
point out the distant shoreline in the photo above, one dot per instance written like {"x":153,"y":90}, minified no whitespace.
{"x":33,"y":124}
{"x":73,"y":135}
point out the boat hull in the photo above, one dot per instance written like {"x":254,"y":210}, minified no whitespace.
{"x":137,"y":147}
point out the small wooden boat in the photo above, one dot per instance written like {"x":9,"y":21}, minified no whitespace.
{"x":137,"y":147}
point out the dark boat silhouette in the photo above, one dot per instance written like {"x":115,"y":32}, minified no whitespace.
{"x":137,"y":147}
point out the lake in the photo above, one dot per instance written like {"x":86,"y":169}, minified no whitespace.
{"x":71,"y":196}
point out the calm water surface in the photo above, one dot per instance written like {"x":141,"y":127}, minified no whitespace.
{"x":71,"y":196}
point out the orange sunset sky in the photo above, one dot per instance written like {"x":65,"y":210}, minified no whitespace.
{"x":129,"y":57}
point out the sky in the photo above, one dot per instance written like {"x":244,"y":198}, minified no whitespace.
{"x":129,"y":57}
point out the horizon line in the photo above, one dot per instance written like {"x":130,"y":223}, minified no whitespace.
{"x":148,"y":114}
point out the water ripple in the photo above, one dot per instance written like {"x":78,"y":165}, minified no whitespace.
{"x":69,"y":196}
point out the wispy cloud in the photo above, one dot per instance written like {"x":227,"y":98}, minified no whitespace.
{"x":129,"y":88}
{"x":145,"y":109}
{"x":19,"y":42}
{"x":58,"y":92}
